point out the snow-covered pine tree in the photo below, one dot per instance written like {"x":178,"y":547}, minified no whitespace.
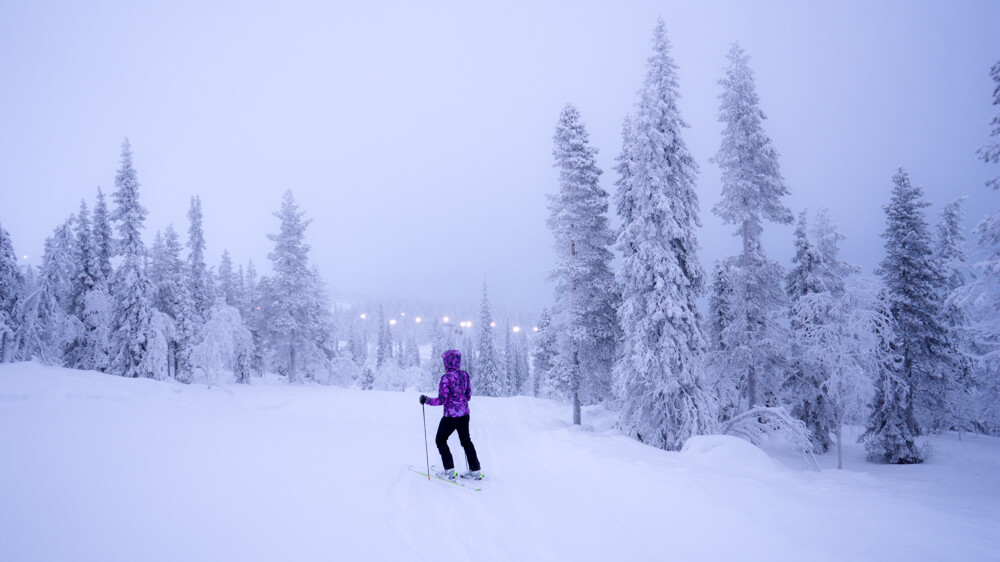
{"x":818,"y":269}
{"x":11,"y":282}
{"x":890,"y":435}
{"x":990,"y":152}
{"x":489,"y":376}
{"x":833,"y":272}
{"x":44,"y":323}
{"x":412,"y":351}
{"x":845,"y":337}
{"x":523,"y":373}
{"x":103,"y":241}
{"x":383,"y":351}
{"x":912,"y":280}
{"x":509,"y":360}
{"x":199,"y":278}
{"x":544,"y":354}
{"x":241,"y":291}
{"x":172,"y":296}
{"x":720,"y":295}
{"x":367,"y":379}
{"x":295,"y":326}
{"x":85,"y":275}
{"x":37,"y":320}
{"x":131,"y":288}
{"x":805,"y":382}
{"x":63,"y":255}
{"x":980,"y":298}
{"x":657,"y":376}
{"x":228,"y":282}
{"x":752,"y":187}
{"x":802,"y":278}
{"x":254,"y":320}
{"x":585,"y":292}
{"x":154,"y":266}
{"x":91,"y":301}
{"x":79,"y":354}
{"x":950,"y":259}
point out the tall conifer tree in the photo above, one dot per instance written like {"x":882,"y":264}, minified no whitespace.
{"x":585,"y":292}
{"x":658,"y":376}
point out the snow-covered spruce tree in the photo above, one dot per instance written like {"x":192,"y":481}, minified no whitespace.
{"x":517,"y":363}
{"x":295,"y":331}
{"x":254,"y":320}
{"x":657,"y":377}
{"x":228,"y":283}
{"x":950,"y":258}
{"x":172,"y":296}
{"x":833,"y":272}
{"x":489,"y":376}
{"x":990,"y":152}
{"x":584,"y":292}
{"x":433,"y":367}
{"x":846,"y":337}
{"x":103,"y":240}
{"x":412,"y":351}
{"x":980,"y":298}
{"x":93,"y":290}
{"x":199,"y":278}
{"x":87,"y":349}
{"x":43,"y":329}
{"x":543,"y":354}
{"x":818,"y":269}
{"x":912,"y":279}
{"x":132,"y":309}
{"x":805,"y":381}
{"x":803,"y":277}
{"x":890,"y":435}
{"x":752,"y":188}
{"x":11,"y":282}
{"x":383,"y":350}
{"x":85,"y":274}
{"x":509,"y":360}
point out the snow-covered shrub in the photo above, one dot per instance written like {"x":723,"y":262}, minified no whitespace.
{"x":223,"y":343}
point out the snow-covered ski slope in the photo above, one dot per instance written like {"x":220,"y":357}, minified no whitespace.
{"x":95,"y":467}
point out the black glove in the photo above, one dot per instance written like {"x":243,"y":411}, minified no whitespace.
{"x":423,"y":398}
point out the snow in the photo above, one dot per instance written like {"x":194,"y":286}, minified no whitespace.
{"x":97,"y":467}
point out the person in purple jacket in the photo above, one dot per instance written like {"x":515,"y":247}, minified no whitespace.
{"x":454,"y":392}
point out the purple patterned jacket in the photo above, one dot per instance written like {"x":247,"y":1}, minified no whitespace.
{"x":454,"y":390}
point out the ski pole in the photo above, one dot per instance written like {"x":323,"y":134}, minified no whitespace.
{"x":423,"y":410}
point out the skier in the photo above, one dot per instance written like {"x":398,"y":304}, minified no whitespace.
{"x":454,"y":393}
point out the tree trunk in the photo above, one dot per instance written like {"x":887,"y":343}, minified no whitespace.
{"x":291,"y":364}
{"x":751,"y":374}
{"x":840,"y":447}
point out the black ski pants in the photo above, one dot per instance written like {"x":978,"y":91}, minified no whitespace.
{"x":445,"y":429}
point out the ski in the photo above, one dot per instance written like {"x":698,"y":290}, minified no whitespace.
{"x":461,"y":481}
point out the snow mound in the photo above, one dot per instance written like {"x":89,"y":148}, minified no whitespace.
{"x":725,"y":451}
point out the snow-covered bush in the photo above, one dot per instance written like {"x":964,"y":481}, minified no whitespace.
{"x":223,"y":343}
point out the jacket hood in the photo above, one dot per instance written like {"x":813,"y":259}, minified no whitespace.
{"x":452,"y":360}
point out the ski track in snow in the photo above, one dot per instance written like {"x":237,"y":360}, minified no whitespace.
{"x":95,"y":467}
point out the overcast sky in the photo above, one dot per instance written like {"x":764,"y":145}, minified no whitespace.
{"x":418,"y":135}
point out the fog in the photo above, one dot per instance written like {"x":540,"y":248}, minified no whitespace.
{"x":418,"y":138}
